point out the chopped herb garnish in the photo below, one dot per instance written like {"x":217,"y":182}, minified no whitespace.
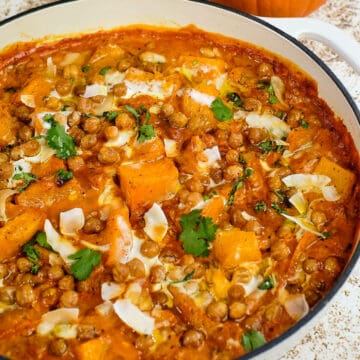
{"x":85,"y":68}
{"x":239,"y":183}
{"x":111,"y":115}
{"x":35,"y":268}
{"x":41,"y":239}
{"x":30,"y":251}
{"x":85,"y":262}
{"x":26,"y":178}
{"x":133,"y":112}
{"x":146,"y":131}
{"x":220,"y":110}
{"x":267,"y":284}
{"x":49,"y":118}
{"x":260,"y":206}
{"x":209,"y":195}
{"x":197,"y":232}
{"x":104,"y":70}
{"x":280,"y":114}
{"x":325,"y":234}
{"x":266,"y":146}
{"x":59,"y":140}
{"x":62,"y":176}
{"x":266,"y":86}
{"x":235,"y":99}
{"x":304,"y":124}
{"x":277,"y":208}
{"x":187,"y":277}
{"x":241,"y":160}
{"x":280,"y":195}
{"x":253,"y":339}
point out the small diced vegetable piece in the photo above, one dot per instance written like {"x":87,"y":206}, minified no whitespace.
{"x":148,"y":182}
{"x":342,"y":179}
{"x":18,"y":231}
{"x":233,"y":247}
{"x":213,"y":208}
{"x":94,"y":349}
{"x":7,"y":129}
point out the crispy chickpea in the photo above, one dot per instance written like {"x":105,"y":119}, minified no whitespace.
{"x":74,"y":118}
{"x":232,"y":157}
{"x":256,"y":135}
{"x":75,"y":163}
{"x":55,"y":272}
{"x":318,"y":218}
{"x":4,"y":271}
{"x":79,"y":90}
{"x":216,"y":174}
{"x":66,"y":283}
{"x":77,"y":134}
{"x":273,"y":312}
{"x":194,"y":184}
{"x":88,"y":141}
{"x":193,"y":338}
{"x":332,"y":265}
{"x":108,"y":155}
{"x":58,"y":347}
{"x":3,"y":158}
{"x":6,"y":170}
{"x":176,"y":273}
{"x":92,"y":125}
{"x":167,"y":109}
{"x":31,"y":148}
{"x":194,"y":198}
{"x":150,"y":248}
{"x":50,"y":297}
{"x":236,"y":292}
{"x":280,"y":251}
{"x":275,"y":182}
{"x":236,"y":139}
{"x":178,"y":120}
{"x":157,"y":274}
{"x":233,"y":172}
{"x":136,"y":268}
{"x":111,"y":132}
{"x":265,"y":71}
{"x":159,"y":297}
{"x":252,"y":104}
{"x":217,"y":311}
{"x":120,"y":272}
{"x":23,"y":264}
{"x":125,"y":121}
{"x":237,"y":218}
{"x":16,"y":153}
{"x":168,"y":255}
{"x":69,"y":298}
{"x":84,"y":105}
{"x":86,"y":332}
{"x":22,"y":112}
{"x":237,"y":310}
{"x":26,"y":133}
{"x":25,"y":295}
{"x":120,"y":89}
{"x":8,"y":294}
{"x":197,"y":269}
{"x":93,"y":225}
{"x":310,"y":265}
{"x":63,"y":86}
{"x":71,"y":71}
{"x":294,"y":117}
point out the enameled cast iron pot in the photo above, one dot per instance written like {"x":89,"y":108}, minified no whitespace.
{"x":79,"y":16}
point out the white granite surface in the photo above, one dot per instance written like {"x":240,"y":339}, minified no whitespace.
{"x":337,"y":333}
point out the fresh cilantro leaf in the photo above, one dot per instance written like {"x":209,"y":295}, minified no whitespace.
{"x":62,"y":176}
{"x":266,"y":146}
{"x":267,"y":284}
{"x":30,"y":251}
{"x":146,"y":132}
{"x":239,"y":183}
{"x":241,"y":160}
{"x":104,"y":70}
{"x":209,"y":195}
{"x":134,"y":113}
{"x":41,"y":239}
{"x":325,"y":234}
{"x":35,"y":268}
{"x":85,"y":68}
{"x":111,"y":115}
{"x":280,"y":195}
{"x":304,"y":124}
{"x":260,"y":206}
{"x":49,"y":118}
{"x":221,"y":111}
{"x":280,"y":114}
{"x":187,"y":277}
{"x":27,"y":179}
{"x":253,"y":339}
{"x":85,"y":261}
{"x":235,"y":99}
{"x":277,"y":208}
{"x":265,"y":85}
{"x":196,"y":233}
{"x":60,"y":141}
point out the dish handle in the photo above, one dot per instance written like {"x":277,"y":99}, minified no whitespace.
{"x":312,"y":29}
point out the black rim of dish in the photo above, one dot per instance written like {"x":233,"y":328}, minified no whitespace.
{"x":356,"y":252}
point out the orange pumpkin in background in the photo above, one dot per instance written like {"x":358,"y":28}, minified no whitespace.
{"x":274,"y":8}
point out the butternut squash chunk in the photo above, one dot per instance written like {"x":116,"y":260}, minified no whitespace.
{"x":233,"y":247}
{"x":342,"y":179}
{"x":7,"y":131}
{"x":18,"y":231}
{"x":148,"y":182}
{"x":94,"y":349}
{"x":213,"y":209}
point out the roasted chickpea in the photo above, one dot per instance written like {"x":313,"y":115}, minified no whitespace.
{"x":280,"y":251}
{"x":237,"y":310}
{"x":26,"y":133}
{"x":8,"y":294}
{"x":294,"y":117}
{"x":120,"y":272}
{"x":69,"y":298}
{"x":233,"y":172}
{"x":53,"y":103}
{"x":25,"y":295}
{"x":31,"y":148}
{"x":56,"y":272}
{"x":75,"y":163}
{"x":318,"y":218}
{"x":157,"y":274}
{"x":93,"y":225}
{"x":193,"y":338}
{"x":178,"y":120}
{"x":50,"y":297}
{"x":232,"y":157}
{"x":4,"y":271}
{"x":71,"y":71}
{"x":194,"y":184}
{"x":92,"y":125}
{"x":216,"y":174}
{"x":23,"y":264}
{"x":217,"y":311}
{"x":120,"y":89}
{"x":86,"y":332}
{"x":167,"y":109}
{"x":125,"y":121}
{"x":236,"y":139}
{"x":6,"y":170}
{"x":252,"y":104}
{"x":58,"y":347}
{"x":236,"y":292}
{"x":66,"y":283}
{"x":256,"y":135}
{"x":84,"y":105}
{"x":108,"y":155}
{"x":77,"y":134}
{"x":150,"y":248}
{"x":310,"y":265}
{"x":136,"y":268}
{"x":265,"y":71}
{"x":88,"y":141}
{"x":63,"y":87}
{"x":16,"y":153}
{"x":74,"y":118}
{"x":111,"y":132}
{"x":332,"y":265}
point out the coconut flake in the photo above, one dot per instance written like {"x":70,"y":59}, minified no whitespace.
{"x":53,"y":318}
{"x":201,"y":98}
{"x":95,"y":90}
{"x":151,"y":57}
{"x":113,"y":78}
{"x":213,"y":157}
{"x":306,"y":182}
{"x":252,"y":285}
{"x":247,"y":216}
{"x":170,"y":148}
{"x":156,"y":224}
{"x":296,"y":306}
{"x":28,"y":100}
{"x":110,"y":290}
{"x":299,"y":202}
{"x":104,"y":308}
{"x":95,"y":247}
{"x":70,"y":58}
{"x":71,"y":221}
{"x":330,"y":193}
{"x":122,"y":139}
{"x":278,"y":87}
{"x":131,"y":315}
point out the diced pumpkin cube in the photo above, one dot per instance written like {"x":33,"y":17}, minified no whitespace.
{"x":148,"y":150}
{"x":148,"y":182}
{"x":342,"y":179}
{"x":7,"y":130}
{"x":213,"y":208}
{"x":94,"y":349}
{"x":220,"y":284}
{"x":233,"y":247}
{"x":38,"y":87}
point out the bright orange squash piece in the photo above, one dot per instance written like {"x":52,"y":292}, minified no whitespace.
{"x":233,"y":247}
{"x":213,"y":208}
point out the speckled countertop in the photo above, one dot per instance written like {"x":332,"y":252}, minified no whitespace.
{"x":337,"y":334}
